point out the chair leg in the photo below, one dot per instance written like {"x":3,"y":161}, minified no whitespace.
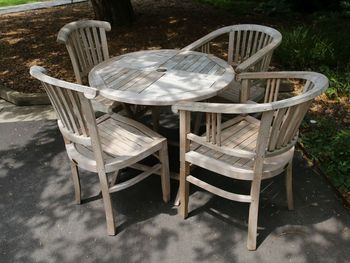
{"x":253,"y":214}
{"x":107,"y":203}
{"x":165,"y":172}
{"x":289,"y":185}
{"x":177,"y":198}
{"x":76,"y":182}
{"x":184,"y":188}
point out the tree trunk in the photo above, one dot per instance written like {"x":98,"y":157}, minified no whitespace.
{"x":117,"y":12}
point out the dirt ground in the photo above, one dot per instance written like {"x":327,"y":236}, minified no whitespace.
{"x":29,"y":38}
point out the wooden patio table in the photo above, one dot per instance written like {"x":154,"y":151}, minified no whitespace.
{"x":161,"y":78}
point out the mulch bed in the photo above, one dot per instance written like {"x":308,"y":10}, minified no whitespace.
{"x":29,"y":38}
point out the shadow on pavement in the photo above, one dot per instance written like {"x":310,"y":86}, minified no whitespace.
{"x":40,"y":223}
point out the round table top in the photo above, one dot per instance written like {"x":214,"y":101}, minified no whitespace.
{"x":161,"y":77}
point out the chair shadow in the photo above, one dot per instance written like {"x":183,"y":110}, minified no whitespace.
{"x":312,"y":205}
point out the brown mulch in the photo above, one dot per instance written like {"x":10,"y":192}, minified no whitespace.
{"x":29,"y":38}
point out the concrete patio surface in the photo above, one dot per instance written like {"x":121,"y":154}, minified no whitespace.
{"x":12,"y":113}
{"x":40,"y":223}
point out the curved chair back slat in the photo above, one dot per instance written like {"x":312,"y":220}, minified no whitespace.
{"x":249,"y":49}
{"x":244,"y":41}
{"x":86,"y":44}
{"x":70,"y":104}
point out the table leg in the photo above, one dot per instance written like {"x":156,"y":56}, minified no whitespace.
{"x":155,"y":118}
{"x":135,"y":111}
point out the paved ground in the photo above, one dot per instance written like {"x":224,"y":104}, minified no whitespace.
{"x":11,"y":113}
{"x":40,"y":223}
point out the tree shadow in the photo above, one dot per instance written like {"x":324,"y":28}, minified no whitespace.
{"x":40,"y":223}
{"x":316,"y":231}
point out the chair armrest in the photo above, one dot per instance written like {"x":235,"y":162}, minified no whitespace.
{"x":197,"y":44}
{"x":205,"y":39}
{"x":224,"y":108}
{"x":317,"y":79}
{"x":40,"y":74}
{"x":307,"y":75}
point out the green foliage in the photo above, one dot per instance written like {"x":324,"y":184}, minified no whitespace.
{"x":339,"y":82}
{"x":345,"y":8}
{"x":301,"y":49}
{"x":273,"y":7}
{"x":315,"y":5}
{"x":329,"y":144}
{"x":240,"y":7}
{"x":17,"y":2}
{"x":218,"y":3}
{"x":279,"y":6}
{"x":332,"y":27}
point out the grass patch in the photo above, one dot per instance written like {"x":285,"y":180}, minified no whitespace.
{"x":4,"y":3}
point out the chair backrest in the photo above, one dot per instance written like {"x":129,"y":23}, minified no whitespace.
{"x":244,"y":41}
{"x":282,"y":123}
{"x":280,"y":119}
{"x":76,"y":118}
{"x":86,"y":44}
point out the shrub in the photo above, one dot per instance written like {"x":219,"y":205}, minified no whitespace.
{"x":339,"y":82}
{"x":315,"y":5}
{"x":272,"y":7}
{"x":329,"y":145}
{"x":302,"y":50}
{"x":345,"y":8}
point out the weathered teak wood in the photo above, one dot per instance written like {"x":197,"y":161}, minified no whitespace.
{"x":250,"y":48}
{"x":104,"y":145}
{"x":86,"y":44}
{"x":161,"y":77}
{"x":245,"y":147}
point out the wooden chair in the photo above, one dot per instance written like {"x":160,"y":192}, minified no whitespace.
{"x":249,"y":48}
{"x":246,"y":147}
{"x":86,"y":43}
{"x":103,"y":145}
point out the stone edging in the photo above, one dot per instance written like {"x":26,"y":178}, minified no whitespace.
{"x":23,"y":99}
